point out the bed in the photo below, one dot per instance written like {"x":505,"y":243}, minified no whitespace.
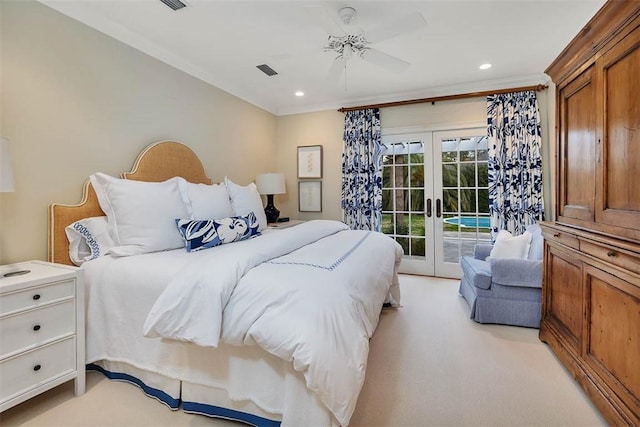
{"x":272,"y":329}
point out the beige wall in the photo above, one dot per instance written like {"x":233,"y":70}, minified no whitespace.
{"x":74,"y":101}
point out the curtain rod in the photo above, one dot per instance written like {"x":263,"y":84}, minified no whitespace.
{"x":444,"y":98}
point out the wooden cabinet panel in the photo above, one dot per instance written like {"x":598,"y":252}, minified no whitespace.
{"x":563,"y":279}
{"x":577,"y":146}
{"x":618,"y":201}
{"x":614,"y":332}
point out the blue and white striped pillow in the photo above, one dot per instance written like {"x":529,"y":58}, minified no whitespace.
{"x":207,"y":233}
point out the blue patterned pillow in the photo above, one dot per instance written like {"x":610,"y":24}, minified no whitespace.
{"x":203,"y":234}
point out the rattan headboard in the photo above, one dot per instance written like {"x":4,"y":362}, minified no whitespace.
{"x":158,"y":162}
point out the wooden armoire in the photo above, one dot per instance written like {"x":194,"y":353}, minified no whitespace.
{"x":591,"y":290}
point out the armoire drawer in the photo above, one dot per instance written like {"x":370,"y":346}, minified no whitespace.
{"x":612,"y":255}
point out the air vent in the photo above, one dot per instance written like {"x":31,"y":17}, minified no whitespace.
{"x":174,"y":4}
{"x":267,"y":70}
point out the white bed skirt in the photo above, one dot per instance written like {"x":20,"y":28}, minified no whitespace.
{"x":269,"y":387}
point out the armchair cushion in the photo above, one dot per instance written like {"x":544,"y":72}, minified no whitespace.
{"x":478,"y":271}
{"x":516,"y":272}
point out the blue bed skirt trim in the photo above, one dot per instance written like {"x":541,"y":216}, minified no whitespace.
{"x":217,"y":411}
{"x":150,"y":391}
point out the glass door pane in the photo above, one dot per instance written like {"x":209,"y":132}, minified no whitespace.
{"x":463,"y":192}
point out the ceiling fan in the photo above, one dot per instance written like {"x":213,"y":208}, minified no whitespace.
{"x":349,"y":40}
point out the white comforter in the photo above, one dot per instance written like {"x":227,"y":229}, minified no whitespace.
{"x":311,"y":294}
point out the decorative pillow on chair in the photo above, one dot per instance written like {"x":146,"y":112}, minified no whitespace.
{"x":88,"y":239}
{"x":142,"y":214}
{"x":245,"y":200}
{"x":508,"y":246}
{"x":209,"y":201}
{"x":203,"y":234}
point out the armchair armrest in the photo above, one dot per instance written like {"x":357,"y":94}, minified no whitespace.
{"x":517,"y":272}
{"x":482,"y":251}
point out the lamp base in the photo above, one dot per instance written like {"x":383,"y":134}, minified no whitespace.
{"x":270,"y":210}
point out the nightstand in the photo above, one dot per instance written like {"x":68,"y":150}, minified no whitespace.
{"x":281,"y":225}
{"x":42,"y":341}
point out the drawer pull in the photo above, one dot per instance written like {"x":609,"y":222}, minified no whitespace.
{"x":556,"y":235}
{"x":612,"y":254}
{"x":36,"y":297}
{"x":37,"y":367}
{"x":36,"y":327}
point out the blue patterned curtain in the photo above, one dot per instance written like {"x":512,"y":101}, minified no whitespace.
{"x":362,"y":170}
{"x":515,"y":162}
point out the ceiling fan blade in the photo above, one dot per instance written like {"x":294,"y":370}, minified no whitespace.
{"x":321,"y":16}
{"x":405,"y":25}
{"x":389,"y":62}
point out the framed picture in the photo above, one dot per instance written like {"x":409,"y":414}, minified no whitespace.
{"x":310,"y":161}
{"x":310,"y":196}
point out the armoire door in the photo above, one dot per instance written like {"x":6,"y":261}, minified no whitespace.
{"x":618,"y":202}
{"x":577,"y":148}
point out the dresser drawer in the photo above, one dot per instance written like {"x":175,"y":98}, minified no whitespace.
{"x":29,"y":370}
{"x":36,"y":296}
{"x":612,"y":255}
{"x":36,"y":327}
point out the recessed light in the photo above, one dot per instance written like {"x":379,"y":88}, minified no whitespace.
{"x":299,"y":93}
{"x":485,"y":66}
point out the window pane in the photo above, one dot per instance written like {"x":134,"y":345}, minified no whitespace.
{"x":483,"y":175}
{"x":468,"y":200}
{"x":450,"y":200}
{"x":417,"y":247}
{"x":401,"y":159}
{"x":417,"y":225}
{"x":401,"y":178}
{"x":449,"y":175}
{"x":450,"y":150}
{"x":417,"y":201}
{"x":402,"y":224}
{"x":387,"y":200}
{"x":406,"y":201}
{"x":416,"y":159}
{"x":387,"y":223}
{"x":468,"y":175}
{"x":417,"y":176}
{"x":483,"y":200}
{"x":387,"y":177}
{"x":404,"y":242}
{"x":386,"y":160}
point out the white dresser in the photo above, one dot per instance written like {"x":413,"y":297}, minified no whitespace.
{"x":42,"y":340}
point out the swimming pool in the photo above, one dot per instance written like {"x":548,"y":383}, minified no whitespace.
{"x":469,"y":221}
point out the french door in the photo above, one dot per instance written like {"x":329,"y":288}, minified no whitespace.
{"x":435,"y":197}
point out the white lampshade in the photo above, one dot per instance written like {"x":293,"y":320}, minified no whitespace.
{"x":6,"y":171}
{"x":270,"y":183}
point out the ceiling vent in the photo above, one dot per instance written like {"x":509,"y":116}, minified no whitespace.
{"x":174,"y":4}
{"x":267,"y":70}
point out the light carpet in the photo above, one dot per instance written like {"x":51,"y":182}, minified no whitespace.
{"x":429,"y":365}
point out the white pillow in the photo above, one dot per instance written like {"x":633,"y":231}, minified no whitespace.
{"x":245,"y":200}
{"x":209,"y":201}
{"x":508,"y":246}
{"x":88,"y":239}
{"x":142,"y":214}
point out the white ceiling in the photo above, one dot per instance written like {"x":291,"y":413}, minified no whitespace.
{"x":222,"y":42}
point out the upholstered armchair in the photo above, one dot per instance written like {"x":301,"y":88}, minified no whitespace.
{"x":505,"y":290}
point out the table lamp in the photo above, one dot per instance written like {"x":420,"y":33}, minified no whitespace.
{"x":270,"y":184}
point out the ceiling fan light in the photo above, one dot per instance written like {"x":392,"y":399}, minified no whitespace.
{"x":347,"y":51}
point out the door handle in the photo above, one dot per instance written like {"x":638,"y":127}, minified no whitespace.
{"x":428,"y":208}
{"x":438,"y":208}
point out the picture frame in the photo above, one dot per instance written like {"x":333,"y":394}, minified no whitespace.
{"x":310,"y":196}
{"x":310,"y":161}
